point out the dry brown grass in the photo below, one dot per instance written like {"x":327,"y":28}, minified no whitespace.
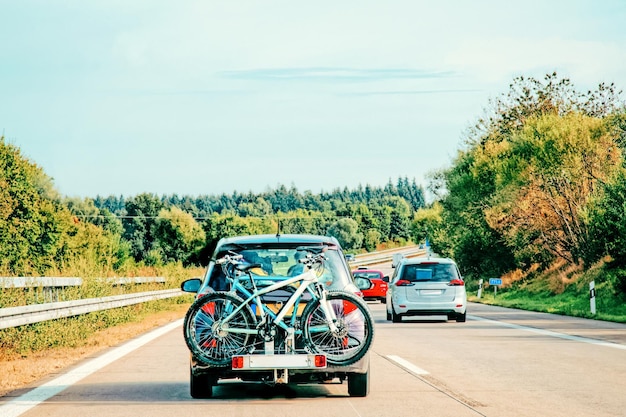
{"x":18,"y":372}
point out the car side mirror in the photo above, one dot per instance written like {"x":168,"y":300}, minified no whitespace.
{"x":386,"y":278}
{"x":191,"y":285}
{"x":363,"y":284}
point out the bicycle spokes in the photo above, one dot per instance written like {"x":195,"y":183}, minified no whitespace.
{"x":350,"y":336}
{"x":209,"y":335}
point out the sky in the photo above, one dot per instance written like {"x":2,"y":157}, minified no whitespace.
{"x":206,"y":97}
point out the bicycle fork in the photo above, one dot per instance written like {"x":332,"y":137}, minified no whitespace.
{"x":329,"y":312}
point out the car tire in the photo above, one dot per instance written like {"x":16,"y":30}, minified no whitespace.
{"x":460,"y":318}
{"x":201,"y":386}
{"x":395,"y":317}
{"x":388,"y":316}
{"x":383,"y":300}
{"x":359,"y":384}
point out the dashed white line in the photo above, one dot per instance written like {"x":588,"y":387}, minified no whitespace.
{"x":406,"y":365}
{"x":22,"y":404}
{"x":551,"y":333}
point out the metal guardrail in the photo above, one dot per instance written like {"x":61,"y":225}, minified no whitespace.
{"x":51,"y":289}
{"x":387,"y":255}
{"x":60,"y":282}
{"x":34,"y":313}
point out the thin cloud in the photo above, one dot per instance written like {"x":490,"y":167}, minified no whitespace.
{"x":335,"y":74}
{"x":412,"y":92}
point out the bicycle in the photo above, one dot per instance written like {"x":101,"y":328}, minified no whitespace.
{"x":223,"y":324}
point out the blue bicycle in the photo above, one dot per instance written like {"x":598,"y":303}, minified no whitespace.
{"x":224,"y":324}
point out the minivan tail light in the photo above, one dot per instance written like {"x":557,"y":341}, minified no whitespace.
{"x":403,"y":283}
{"x":456,"y":282}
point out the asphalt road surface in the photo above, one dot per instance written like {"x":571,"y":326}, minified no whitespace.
{"x":501,"y":362}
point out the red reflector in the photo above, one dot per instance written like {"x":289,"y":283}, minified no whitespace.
{"x":209,"y":308}
{"x":237,"y":362}
{"x":348,"y":307}
{"x":320,"y":361}
{"x":211,"y":344}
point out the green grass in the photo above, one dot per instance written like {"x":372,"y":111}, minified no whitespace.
{"x":73,"y":331}
{"x":546,"y":294}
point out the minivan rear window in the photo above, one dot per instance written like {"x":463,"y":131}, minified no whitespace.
{"x":429,"y":272}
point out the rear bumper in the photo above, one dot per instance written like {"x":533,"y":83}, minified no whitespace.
{"x":425,"y":309}
{"x":295,"y":374}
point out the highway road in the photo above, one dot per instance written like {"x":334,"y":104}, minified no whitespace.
{"x":501,"y":362}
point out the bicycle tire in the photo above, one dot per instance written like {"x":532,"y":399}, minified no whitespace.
{"x":201,"y":328}
{"x":356,"y":329}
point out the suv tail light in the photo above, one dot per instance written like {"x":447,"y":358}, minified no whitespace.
{"x":456,"y":282}
{"x":320,"y":361}
{"x":403,"y":283}
{"x":237,"y":362}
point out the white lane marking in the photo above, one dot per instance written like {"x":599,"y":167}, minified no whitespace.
{"x":406,"y":365}
{"x":22,"y":404}
{"x":551,"y":333}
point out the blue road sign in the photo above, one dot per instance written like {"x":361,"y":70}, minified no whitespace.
{"x":495,"y":281}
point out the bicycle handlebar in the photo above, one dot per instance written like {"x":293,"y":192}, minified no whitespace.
{"x":313,"y":257}
{"x":232,"y":259}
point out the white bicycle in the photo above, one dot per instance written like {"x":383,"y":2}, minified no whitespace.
{"x":224,"y":324}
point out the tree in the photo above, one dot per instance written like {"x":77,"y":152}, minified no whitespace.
{"x":427,"y":222}
{"x":139,"y":223}
{"x":346,"y":232}
{"x":86,"y":210}
{"x":178,"y":236}
{"x":400,"y":219}
{"x":371,"y":240}
{"x":550,"y":171}
{"x":514,"y":195}
{"x":33,"y":224}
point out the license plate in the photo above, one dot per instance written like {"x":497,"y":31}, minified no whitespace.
{"x":286,"y":361}
{"x":430,"y":292}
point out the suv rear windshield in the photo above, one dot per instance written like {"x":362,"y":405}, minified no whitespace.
{"x":430,"y":272}
{"x":280,"y":263}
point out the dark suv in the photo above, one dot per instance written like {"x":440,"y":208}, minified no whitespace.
{"x":277,"y":256}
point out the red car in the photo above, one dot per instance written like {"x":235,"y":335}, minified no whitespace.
{"x":378,"y":283}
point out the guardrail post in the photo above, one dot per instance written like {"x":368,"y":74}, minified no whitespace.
{"x":480,"y":287}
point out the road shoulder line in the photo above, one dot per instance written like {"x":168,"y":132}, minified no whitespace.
{"x":31,"y":399}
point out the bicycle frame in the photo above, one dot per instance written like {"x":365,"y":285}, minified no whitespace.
{"x":307,"y":279}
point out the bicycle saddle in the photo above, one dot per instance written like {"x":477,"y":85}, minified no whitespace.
{"x":245,"y":267}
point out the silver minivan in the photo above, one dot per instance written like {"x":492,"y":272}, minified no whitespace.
{"x":426,"y":287}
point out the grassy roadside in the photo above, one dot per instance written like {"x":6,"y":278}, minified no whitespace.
{"x":561,"y":290}
{"x":30,"y":353}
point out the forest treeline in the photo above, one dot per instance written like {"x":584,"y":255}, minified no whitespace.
{"x":539,"y":179}
{"x":42,"y":232}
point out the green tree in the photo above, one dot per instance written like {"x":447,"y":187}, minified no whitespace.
{"x":550,"y":170}
{"x":139,"y":223}
{"x":371,"y":240}
{"x":33,"y":223}
{"x":510,"y":172}
{"x":178,"y":236}
{"x":606,"y":227}
{"x":427,"y":222}
{"x":345,"y":230}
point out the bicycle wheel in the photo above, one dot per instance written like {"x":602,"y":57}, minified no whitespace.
{"x":208,"y":337}
{"x":355,"y":329}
